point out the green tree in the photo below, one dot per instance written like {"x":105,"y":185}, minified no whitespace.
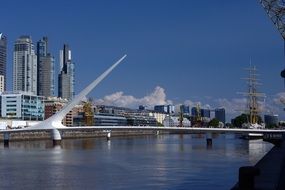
{"x":239,"y":120}
{"x":271,"y":126}
{"x":244,"y":118}
{"x":213,"y":123}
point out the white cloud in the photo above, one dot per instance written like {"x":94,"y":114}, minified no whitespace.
{"x":279,"y":98}
{"x":157,"y":97}
{"x":233,"y":106}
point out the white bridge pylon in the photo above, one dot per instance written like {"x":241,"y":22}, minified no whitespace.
{"x":54,"y":121}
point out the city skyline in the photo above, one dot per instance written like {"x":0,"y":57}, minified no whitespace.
{"x":204,"y":53}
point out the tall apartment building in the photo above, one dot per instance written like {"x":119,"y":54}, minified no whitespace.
{"x":45,"y":69}
{"x":3,"y":60}
{"x":24,"y":65}
{"x":66,"y":75}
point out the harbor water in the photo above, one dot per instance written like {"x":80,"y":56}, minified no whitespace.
{"x":140,"y":162}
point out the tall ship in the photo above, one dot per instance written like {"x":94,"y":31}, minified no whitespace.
{"x":254,"y":99}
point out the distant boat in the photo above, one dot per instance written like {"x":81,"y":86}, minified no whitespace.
{"x":252,"y":136}
{"x":253,"y":126}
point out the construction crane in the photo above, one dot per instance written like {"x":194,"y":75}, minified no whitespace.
{"x":88,"y":114}
{"x":181,"y":117}
{"x":197,"y":119}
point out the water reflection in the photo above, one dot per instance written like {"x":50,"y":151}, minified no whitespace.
{"x":256,"y":148}
{"x":144,"y":162}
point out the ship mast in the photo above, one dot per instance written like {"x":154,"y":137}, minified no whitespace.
{"x":252,"y":107}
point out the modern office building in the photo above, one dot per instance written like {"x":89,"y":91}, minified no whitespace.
{"x":3,"y":61}
{"x":196,"y":111}
{"x":22,"y":105}
{"x":164,"y":108}
{"x":101,"y":120}
{"x":220,"y":114}
{"x":205,"y":113}
{"x":24,"y":66}
{"x":185,"y":109}
{"x":66,"y":75}
{"x":271,"y":120}
{"x":45,"y":69}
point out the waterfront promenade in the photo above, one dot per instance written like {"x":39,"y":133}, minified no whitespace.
{"x":270,"y":169}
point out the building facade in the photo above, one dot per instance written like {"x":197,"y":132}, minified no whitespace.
{"x":205,"y":113}
{"x":220,"y":114}
{"x":164,"y":109}
{"x":185,"y":109}
{"x":158,"y":116}
{"x":45,"y":69}
{"x":3,"y":61}
{"x":66,"y":75}
{"x":271,"y":120}
{"x":53,"y":105}
{"x":24,"y":66}
{"x":22,"y":105}
{"x":2,"y":83}
{"x":170,"y":121}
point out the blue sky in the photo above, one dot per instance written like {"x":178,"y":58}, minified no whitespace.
{"x":184,"y":50}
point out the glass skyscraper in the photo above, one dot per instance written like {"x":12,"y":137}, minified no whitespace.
{"x":66,"y":75}
{"x":220,"y":114}
{"x":24,"y":65}
{"x":3,"y":59}
{"x":45,"y":69}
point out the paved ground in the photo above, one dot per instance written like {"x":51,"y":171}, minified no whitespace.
{"x":272,"y":170}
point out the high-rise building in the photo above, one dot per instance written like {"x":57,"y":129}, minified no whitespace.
{"x":3,"y":59}
{"x":24,"y":65}
{"x":66,"y":75}
{"x":220,"y":114}
{"x":45,"y":69}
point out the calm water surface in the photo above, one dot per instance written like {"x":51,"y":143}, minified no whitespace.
{"x":145,"y":162}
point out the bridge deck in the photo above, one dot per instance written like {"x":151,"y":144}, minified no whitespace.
{"x":181,"y":129}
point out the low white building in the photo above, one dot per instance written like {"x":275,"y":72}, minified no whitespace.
{"x":174,"y":122}
{"x":158,"y":116}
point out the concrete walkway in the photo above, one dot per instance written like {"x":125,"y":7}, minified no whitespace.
{"x":272,"y":170}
